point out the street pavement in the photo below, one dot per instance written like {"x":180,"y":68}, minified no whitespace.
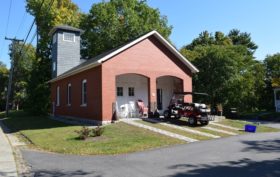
{"x":250,"y":155}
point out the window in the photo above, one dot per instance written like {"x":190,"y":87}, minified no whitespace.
{"x":70,"y":37}
{"x":84,"y":92}
{"x":54,"y":38}
{"x":54,"y":66}
{"x":69,"y":94}
{"x":130,"y":91}
{"x":57,"y":96}
{"x":119,"y":91}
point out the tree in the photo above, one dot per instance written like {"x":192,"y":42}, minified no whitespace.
{"x":23,"y":62}
{"x":244,"y":39}
{"x":205,"y":39}
{"x":4,"y":75}
{"x":228,"y":72}
{"x":272,"y":68}
{"x":51,"y":13}
{"x":110,"y":24}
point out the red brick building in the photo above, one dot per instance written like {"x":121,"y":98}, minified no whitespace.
{"x":148,"y":68}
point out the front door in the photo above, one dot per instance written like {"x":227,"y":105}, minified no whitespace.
{"x":159,"y":99}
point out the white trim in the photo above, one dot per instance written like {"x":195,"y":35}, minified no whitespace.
{"x":74,"y":39}
{"x":89,"y":66}
{"x":84,"y":103}
{"x":69,"y":85}
{"x":155,"y":33}
{"x":159,"y":37}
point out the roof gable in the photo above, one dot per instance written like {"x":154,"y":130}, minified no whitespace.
{"x":108,"y":55}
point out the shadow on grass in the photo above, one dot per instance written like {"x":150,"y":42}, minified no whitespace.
{"x":19,"y":120}
{"x":57,"y":173}
{"x":241,"y":168}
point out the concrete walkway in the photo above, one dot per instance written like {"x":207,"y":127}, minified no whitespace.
{"x":160,"y":131}
{"x":183,"y":128}
{"x":219,"y":130}
{"x":224,"y":126}
{"x":7,"y":161}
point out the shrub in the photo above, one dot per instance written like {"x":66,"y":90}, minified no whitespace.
{"x":84,"y":133}
{"x":98,"y":131}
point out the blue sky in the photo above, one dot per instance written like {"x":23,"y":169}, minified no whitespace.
{"x":188,"y":18}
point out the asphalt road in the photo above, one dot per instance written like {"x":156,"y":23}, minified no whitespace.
{"x":253,"y":155}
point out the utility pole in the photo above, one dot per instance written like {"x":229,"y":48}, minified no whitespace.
{"x":14,"y":41}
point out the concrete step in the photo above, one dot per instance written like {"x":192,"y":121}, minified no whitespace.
{"x":160,"y":131}
{"x":219,"y":130}
{"x":183,"y":128}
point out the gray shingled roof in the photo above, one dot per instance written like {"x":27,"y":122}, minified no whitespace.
{"x":64,"y":27}
{"x":108,"y":54}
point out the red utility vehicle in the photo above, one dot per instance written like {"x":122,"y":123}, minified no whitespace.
{"x":195,"y":112}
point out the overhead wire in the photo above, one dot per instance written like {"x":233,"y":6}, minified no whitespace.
{"x":34,"y":35}
{"x":22,"y":22}
{"x":7,"y":26}
{"x":41,"y":5}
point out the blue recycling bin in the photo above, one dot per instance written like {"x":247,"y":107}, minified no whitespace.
{"x":250,"y":128}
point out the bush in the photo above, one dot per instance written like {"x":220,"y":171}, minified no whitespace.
{"x":86,"y":132}
{"x":98,"y":131}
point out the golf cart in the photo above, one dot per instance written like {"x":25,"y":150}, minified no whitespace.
{"x":195,"y":112}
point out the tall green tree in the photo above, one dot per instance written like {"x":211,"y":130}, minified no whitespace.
{"x":4,"y":75}
{"x":272,"y":68}
{"x":205,"y":39}
{"x":228,"y":71}
{"x":23,"y":62}
{"x":244,"y":39}
{"x":51,"y":13}
{"x":112,"y":23}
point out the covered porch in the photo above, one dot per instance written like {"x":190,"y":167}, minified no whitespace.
{"x":138,"y":95}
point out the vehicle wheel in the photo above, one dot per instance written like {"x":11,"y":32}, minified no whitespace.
{"x":177,"y":116}
{"x":192,"y":121}
{"x":166,"y":114}
{"x":204,"y":122}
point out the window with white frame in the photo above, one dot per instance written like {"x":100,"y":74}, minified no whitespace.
{"x":119,"y":91}
{"x":84,"y":92}
{"x":57,"y":96}
{"x":69,"y":94}
{"x":130,"y":91}
{"x":70,"y":37}
{"x":54,"y":66}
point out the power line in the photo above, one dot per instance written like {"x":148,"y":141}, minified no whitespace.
{"x":31,"y":27}
{"x":7,"y":25}
{"x":34,"y":35}
{"x":22,"y":22}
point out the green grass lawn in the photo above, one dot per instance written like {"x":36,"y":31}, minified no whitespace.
{"x":240,"y":124}
{"x":50,"y":135}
